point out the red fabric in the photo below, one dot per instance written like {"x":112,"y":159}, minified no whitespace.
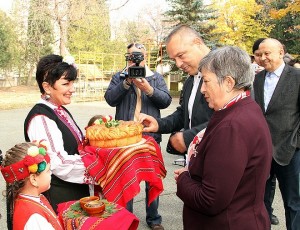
{"x":121,"y":220}
{"x":19,"y":170}
{"x":25,"y":207}
{"x":119,"y":171}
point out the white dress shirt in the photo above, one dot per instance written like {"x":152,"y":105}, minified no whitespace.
{"x":197,"y":79}
{"x":271,"y":81}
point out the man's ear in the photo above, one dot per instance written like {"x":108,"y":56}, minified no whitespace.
{"x":281,"y":53}
{"x":198,"y":41}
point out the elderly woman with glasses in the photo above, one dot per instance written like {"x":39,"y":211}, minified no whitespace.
{"x":135,"y":92}
{"x":224,"y":183}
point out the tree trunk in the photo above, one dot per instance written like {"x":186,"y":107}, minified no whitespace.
{"x":30,"y":74}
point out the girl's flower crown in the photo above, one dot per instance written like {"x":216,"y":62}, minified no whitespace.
{"x":35,"y":161}
{"x":70,"y":60}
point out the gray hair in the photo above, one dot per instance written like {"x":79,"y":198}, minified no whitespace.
{"x":230,"y":61}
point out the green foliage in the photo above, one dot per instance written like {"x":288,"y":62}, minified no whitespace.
{"x":238,"y":24}
{"x":75,"y":211}
{"x":40,"y":31}
{"x":223,"y":22}
{"x":195,"y":14}
{"x":286,"y":29}
{"x":89,"y":35}
{"x":8,"y":40}
{"x":135,"y":32}
{"x":40,"y":36}
{"x":91,"y":32}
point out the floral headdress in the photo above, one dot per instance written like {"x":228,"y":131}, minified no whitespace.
{"x":70,"y":60}
{"x":34,"y":162}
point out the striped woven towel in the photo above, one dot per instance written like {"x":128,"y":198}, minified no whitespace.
{"x":119,"y":171}
{"x":74,"y":218}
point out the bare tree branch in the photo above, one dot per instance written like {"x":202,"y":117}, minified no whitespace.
{"x":119,"y":7}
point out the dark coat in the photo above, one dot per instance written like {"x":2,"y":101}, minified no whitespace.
{"x":180,"y":118}
{"x":224,"y":188}
{"x":125,"y":100}
{"x":283,"y":112}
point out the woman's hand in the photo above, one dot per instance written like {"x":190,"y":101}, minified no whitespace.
{"x":178,"y":172}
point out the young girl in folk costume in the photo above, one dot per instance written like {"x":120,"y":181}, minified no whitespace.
{"x":26,"y":169}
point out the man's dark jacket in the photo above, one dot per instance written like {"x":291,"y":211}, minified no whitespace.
{"x":283,"y":112}
{"x":125,"y":100}
{"x":179,"y":120}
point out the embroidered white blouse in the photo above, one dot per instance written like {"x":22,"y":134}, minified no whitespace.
{"x":66,"y":167}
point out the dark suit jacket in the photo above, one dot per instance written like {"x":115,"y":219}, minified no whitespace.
{"x":180,"y":118}
{"x":283,"y":112}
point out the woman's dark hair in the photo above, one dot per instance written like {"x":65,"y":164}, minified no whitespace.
{"x":256,"y":44}
{"x":51,"y":68}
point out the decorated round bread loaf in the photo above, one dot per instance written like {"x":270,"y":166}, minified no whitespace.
{"x":114,"y":133}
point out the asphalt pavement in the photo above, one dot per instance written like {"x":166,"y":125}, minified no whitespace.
{"x":170,"y":207}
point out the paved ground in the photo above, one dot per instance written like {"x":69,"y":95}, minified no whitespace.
{"x":11,"y":127}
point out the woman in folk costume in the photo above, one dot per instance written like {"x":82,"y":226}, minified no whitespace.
{"x":50,"y":120}
{"x":26,"y":170}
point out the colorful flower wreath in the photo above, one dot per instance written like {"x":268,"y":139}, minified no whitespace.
{"x":34,"y":162}
{"x":35,"y":159}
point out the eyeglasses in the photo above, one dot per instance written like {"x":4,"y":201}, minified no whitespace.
{"x":137,"y":45}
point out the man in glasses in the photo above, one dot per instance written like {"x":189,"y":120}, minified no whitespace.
{"x":186,"y":47}
{"x":132,"y":96}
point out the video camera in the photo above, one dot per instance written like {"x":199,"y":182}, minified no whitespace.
{"x":135,"y":71}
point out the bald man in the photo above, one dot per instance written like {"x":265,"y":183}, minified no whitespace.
{"x":186,"y":47}
{"x":277,"y":91}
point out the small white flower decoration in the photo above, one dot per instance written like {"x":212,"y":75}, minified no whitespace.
{"x":70,"y":60}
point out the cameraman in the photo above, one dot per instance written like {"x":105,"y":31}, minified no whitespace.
{"x":132,"y":95}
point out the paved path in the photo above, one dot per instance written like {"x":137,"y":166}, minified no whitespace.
{"x":11,"y":127}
